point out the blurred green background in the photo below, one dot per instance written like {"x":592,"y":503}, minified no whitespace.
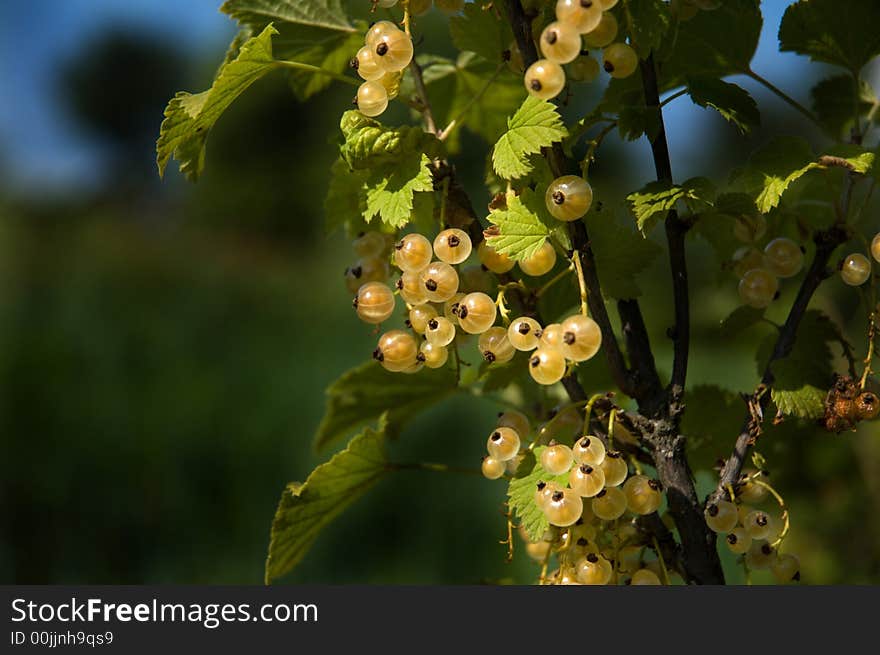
{"x":164,"y":347}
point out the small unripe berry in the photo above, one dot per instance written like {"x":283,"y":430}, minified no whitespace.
{"x":786,"y":569}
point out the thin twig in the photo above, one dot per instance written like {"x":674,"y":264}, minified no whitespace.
{"x":297,"y":65}
{"x":782,"y":95}
{"x":445,"y":132}
{"x":422,"y":92}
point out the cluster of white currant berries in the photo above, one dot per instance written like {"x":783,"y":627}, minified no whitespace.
{"x":386,"y":52}
{"x":579,"y":26}
{"x":587,"y":492}
{"x":855,"y":268}
{"x":753,"y":533}
{"x":760,"y":271}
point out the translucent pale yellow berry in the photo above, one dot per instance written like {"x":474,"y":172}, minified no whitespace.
{"x":745,"y":259}
{"x":586,"y":480}
{"x":440,"y":281}
{"x":786,"y":569}
{"x":367,"y":269}
{"x":543,"y":492}
{"x":783,"y":257}
{"x":515,"y":420}
{"x":855,"y":269}
{"x":589,"y":450}
{"x":366,"y":64}
{"x":544,"y":79}
{"x":393,"y":50}
{"x":369,"y":244}
{"x":440,"y":331}
{"x":594,"y":570}
{"x":564,"y":508}
{"x":645,"y":577}
{"x":492,"y":469}
{"x":494,"y":345}
{"x":411,"y":289}
{"x":560,"y":42}
{"x":615,"y":468}
{"x":452,"y":246}
{"x":494,"y":261}
{"x":609,"y":504}
{"x":374,"y":302}
{"x":476,"y":313}
{"x":546,"y":366}
{"x":523,"y":333}
{"x":620,"y":60}
{"x":721,"y":516}
{"x":557,"y":459}
{"x":738,"y":540}
{"x":450,"y":307}
{"x":759,"y":524}
{"x":603,"y":34}
{"x":583,"y":15}
{"x":581,"y":338}
{"x":551,"y":337}
{"x":760,"y":555}
{"x":875,"y":247}
{"x":413,"y":253}
{"x":749,"y":228}
{"x":568,"y":197}
{"x":378,"y":30}
{"x":419,"y":317}
{"x":397,"y":350}
{"x":503,"y":444}
{"x":432,"y":355}
{"x":642,"y":494}
{"x":372,"y":98}
{"x":758,"y":287}
{"x":583,"y":69}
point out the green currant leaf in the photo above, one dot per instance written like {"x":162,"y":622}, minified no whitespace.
{"x":523,"y":225}
{"x":327,"y":14}
{"x":618,"y":275}
{"x":189,"y":118}
{"x":535,"y":125}
{"x":346,"y":200}
{"x":739,"y":320}
{"x":713,"y":417}
{"x":835,"y":105}
{"x":521,"y":495}
{"x":480,"y":30}
{"x":828,"y":31}
{"x":390,"y":190}
{"x":305,"y":509}
{"x":369,"y":144}
{"x":364,"y":393}
{"x":331,"y":51}
{"x":654,"y":201}
{"x":733,"y":102}
{"x":806,"y":402}
{"x":650,"y":22}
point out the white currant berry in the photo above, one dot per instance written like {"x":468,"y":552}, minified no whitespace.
{"x":644,"y":577}
{"x":560,"y":42}
{"x":411,"y":290}
{"x":564,"y":508}
{"x":620,"y":60}
{"x":397,"y":351}
{"x":419,"y":317}
{"x":551,"y":337}
{"x":581,"y":338}
{"x":503,"y":444}
{"x":393,"y":50}
{"x":855,"y":269}
{"x":378,"y":30}
{"x":476,"y":313}
{"x":369,"y":244}
{"x":515,"y":420}
{"x":544,"y":79}
{"x":609,"y":504}
{"x":758,"y":287}
{"x":492,"y":468}
{"x":493,"y":260}
{"x":524,"y":333}
{"x":583,"y":69}
{"x":543,"y":492}
{"x":783,"y":257}
{"x":540,"y":262}
{"x":452,"y":246}
{"x":440,"y":281}
{"x":786,"y":569}
{"x":721,"y":516}
{"x":586,"y":480}
{"x":557,"y":459}
{"x":432,"y":355}
{"x":495,"y":346}
{"x":745,"y":259}
{"x":568,"y":197}
{"x":615,"y":468}
{"x":413,"y":253}
{"x":538,"y":551}
{"x":604,"y":33}
{"x":758,"y":524}
{"x":643,"y":495}
{"x":440,"y":331}
{"x":546,"y":366}
{"x":366,"y":64}
{"x":589,"y":450}
{"x":749,"y":228}
{"x":875,"y":247}
{"x":367,"y":269}
{"x":583,"y":15}
{"x":738,"y":540}
{"x":594,"y":569}
{"x":760,"y":555}
{"x":374,"y":302}
{"x":751,"y":490}
{"x":372,"y":98}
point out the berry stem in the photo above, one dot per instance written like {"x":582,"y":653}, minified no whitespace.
{"x":419,"y":82}
{"x":576,"y":259}
{"x":297,"y":65}
{"x":782,"y":95}
{"x":445,"y":132}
